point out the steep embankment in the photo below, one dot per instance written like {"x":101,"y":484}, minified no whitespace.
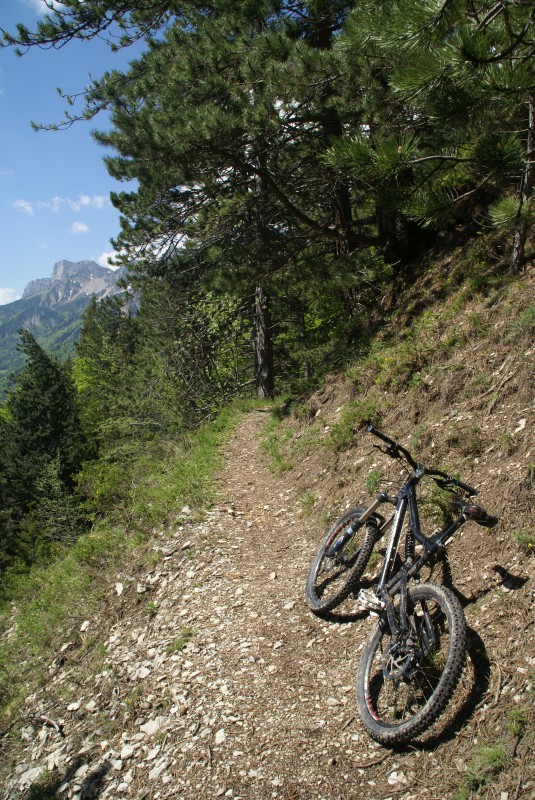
{"x":214,"y":679}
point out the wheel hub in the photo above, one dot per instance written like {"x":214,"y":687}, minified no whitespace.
{"x":400,"y":660}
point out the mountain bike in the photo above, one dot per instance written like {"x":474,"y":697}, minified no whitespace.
{"x":414,"y":657}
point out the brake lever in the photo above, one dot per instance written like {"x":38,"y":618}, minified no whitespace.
{"x":454,"y":486}
{"x":393,"y":452}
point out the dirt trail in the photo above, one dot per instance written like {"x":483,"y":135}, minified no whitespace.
{"x":259,"y":702}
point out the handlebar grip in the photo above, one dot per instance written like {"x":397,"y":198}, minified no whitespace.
{"x":380,"y":435}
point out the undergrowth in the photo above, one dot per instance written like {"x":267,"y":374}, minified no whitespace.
{"x":44,"y":606}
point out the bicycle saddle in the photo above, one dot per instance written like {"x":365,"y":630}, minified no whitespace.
{"x":477,"y":513}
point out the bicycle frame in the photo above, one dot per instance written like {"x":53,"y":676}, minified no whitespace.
{"x":406,"y":499}
{"x":390,"y":585}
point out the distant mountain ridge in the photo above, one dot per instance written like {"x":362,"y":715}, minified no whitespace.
{"x":52,"y":309}
{"x":71,"y":280}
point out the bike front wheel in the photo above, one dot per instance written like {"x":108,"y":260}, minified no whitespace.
{"x":333,"y":577}
{"x":405,"y":681}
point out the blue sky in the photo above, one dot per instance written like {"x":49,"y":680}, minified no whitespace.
{"x":54,"y":187}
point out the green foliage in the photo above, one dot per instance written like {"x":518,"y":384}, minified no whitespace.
{"x":437,"y":504}
{"x":52,"y":599}
{"x":518,"y":721}
{"x":275,"y":436}
{"x":152,"y":608}
{"x":507,"y":211}
{"x":487,"y":762}
{"x":178,"y":644}
{"x":42,"y":446}
{"x":307,"y":502}
{"x":524,"y":325}
{"x":525,"y":540}
{"x":353,"y":416}
{"x":373,"y":479}
{"x":56,"y":328}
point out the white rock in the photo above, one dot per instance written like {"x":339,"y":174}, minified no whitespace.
{"x":28,"y":777}
{"x":81,"y":771}
{"x":151,"y":727}
{"x":157,"y":770}
{"x":119,"y":588}
{"x":126,"y":752}
{"x":84,"y":626}
{"x":220,"y":736}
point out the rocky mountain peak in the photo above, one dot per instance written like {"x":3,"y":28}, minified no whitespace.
{"x":64,"y":270}
{"x":71,"y":280}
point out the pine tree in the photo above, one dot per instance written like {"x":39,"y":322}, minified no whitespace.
{"x":457,"y":80}
{"x":41,"y":443}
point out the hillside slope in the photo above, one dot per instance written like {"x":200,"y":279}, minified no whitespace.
{"x":52,"y":309}
{"x":205,"y":675}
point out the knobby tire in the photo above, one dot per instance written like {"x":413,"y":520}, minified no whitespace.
{"x":397,"y":706}
{"x":331,"y":580}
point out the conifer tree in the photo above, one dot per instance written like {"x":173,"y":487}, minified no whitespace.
{"x":460,"y":80}
{"x":41,"y":444}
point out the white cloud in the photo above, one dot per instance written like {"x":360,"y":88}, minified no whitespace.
{"x":75,"y":204}
{"x":6,"y":173}
{"x":79,"y":227}
{"x":24,"y":206}
{"x":104,"y":259}
{"x":101,"y":201}
{"x":8,"y":296}
{"x":43,"y":6}
{"x":54,"y":204}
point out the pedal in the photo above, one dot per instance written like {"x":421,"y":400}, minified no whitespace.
{"x":369,"y":601}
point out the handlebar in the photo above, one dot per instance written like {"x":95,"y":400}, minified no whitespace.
{"x":396,"y":450}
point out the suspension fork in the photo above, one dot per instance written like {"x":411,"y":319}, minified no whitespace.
{"x":352,"y":529}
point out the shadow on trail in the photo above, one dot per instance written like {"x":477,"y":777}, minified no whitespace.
{"x":509,"y":581}
{"x":90,"y":787}
{"x":340,"y":618}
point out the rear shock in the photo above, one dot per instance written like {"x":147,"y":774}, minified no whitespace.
{"x":410,"y":546}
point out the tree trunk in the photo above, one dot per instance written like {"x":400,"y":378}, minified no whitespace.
{"x":262,"y":327}
{"x":526,"y":189}
{"x":340,"y":196}
{"x":263,"y":345}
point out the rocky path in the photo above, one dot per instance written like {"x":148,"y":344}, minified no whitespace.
{"x":216,"y":680}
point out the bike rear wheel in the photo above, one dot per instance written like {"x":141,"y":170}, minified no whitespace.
{"x":332,"y":578}
{"x":405,"y":682}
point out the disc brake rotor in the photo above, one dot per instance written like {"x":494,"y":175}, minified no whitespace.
{"x":399,"y":660}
